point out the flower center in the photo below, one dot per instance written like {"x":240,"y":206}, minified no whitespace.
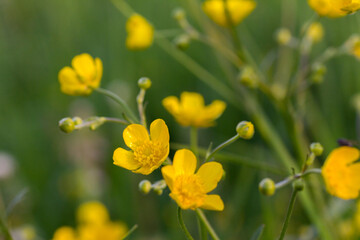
{"x":189,"y":191}
{"x":149,"y":153}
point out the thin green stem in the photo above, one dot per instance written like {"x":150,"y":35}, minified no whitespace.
{"x":206,"y":223}
{"x":221,"y":146}
{"x":288,"y":215}
{"x":194,"y":140}
{"x":202,"y":230}
{"x":130,"y":231}
{"x":123,"y":7}
{"x":100,"y":120}
{"x":5,"y":230}
{"x":290,"y":179}
{"x":182,"y":225}
{"x":120,"y":101}
{"x":140,"y":101}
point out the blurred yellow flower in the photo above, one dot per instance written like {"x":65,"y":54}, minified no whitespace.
{"x":140,"y":33}
{"x":93,"y":224}
{"x":148,"y":153}
{"x":315,"y":32}
{"x":341,"y":172}
{"x":189,"y":189}
{"x":238,"y":10}
{"x":334,"y":8}
{"x":84,"y":75}
{"x":191,"y":110}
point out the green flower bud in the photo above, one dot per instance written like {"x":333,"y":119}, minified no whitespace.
{"x":310,"y":159}
{"x":182,"y":42}
{"x":77,"y":120}
{"x":179,"y":14}
{"x":97,"y":122}
{"x":144,"y":83}
{"x":158,"y":191}
{"x":145,"y":186}
{"x":318,"y":72}
{"x":316,"y":148}
{"x":67,"y":125}
{"x":298,"y":184}
{"x":245,"y":130}
{"x":267,"y":187}
{"x":283,"y":36}
{"x":248,"y":77}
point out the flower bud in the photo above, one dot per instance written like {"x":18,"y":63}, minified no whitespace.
{"x":310,"y":159}
{"x":248,"y":77}
{"x":145,"y":186}
{"x":77,"y":120}
{"x":283,"y":36}
{"x":67,"y":125}
{"x":182,"y":42}
{"x":316,"y":148}
{"x":144,"y":83}
{"x":179,"y":14}
{"x":245,"y":129}
{"x":267,"y":187}
{"x":158,"y":191}
{"x":298,"y":184}
{"x":318,"y":72}
{"x":315,"y":32}
{"x":97,"y":122}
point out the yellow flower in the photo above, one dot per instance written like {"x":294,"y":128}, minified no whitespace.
{"x":92,"y":213}
{"x":148,"y":153}
{"x":191,"y":111}
{"x":315,"y":32}
{"x":106,"y":231}
{"x":140,"y":33}
{"x":64,"y":233}
{"x":334,"y":8}
{"x":341,"y":172}
{"x":189,"y":189}
{"x":84,"y":75}
{"x":238,"y":10}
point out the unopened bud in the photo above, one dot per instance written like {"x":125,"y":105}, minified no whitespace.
{"x":283,"y":36}
{"x":67,"y":125}
{"x":97,"y":122}
{"x":316,"y":148}
{"x":182,"y":42}
{"x":144,"y":83}
{"x":158,"y":191}
{"x":267,"y":187}
{"x":310,"y":159}
{"x":315,"y":32}
{"x":318,"y":72}
{"x":145,"y":186}
{"x":179,"y":14}
{"x":298,"y":184}
{"x":77,"y":120}
{"x":248,"y":77}
{"x":245,"y":129}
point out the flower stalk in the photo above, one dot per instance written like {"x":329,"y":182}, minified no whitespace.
{"x":182,"y":225}
{"x":206,"y":223}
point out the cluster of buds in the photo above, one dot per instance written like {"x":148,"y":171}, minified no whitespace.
{"x":68,"y":124}
{"x":158,"y":187}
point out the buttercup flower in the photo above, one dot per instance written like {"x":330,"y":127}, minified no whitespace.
{"x":189,"y":189}
{"x":148,"y":153}
{"x":315,"y":32}
{"x":93,"y":224}
{"x":84,"y":75}
{"x":341,"y":172}
{"x":334,"y":8}
{"x":140,"y":33}
{"x":191,"y":110}
{"x":238,"y":10}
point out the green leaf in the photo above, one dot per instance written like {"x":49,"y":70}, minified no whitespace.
{"x":258,"y":233}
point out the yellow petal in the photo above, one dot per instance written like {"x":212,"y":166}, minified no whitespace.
{"x":184,"y":162}
{"x":125,"y":159}
{"x":64,"y":233}
{"x":92,"y":212}
{"x":212,"y":112}
{"x":168,"y":173}
{"x":70,"y":84}
{"x":213,"y":202}
{"x":98,"y":73}
{"x":171,"y":104}
{"x":135,"y":134}
{"x":191,"y":102}
{"x":210,"y":174}
{"x":84,"y":66}
{"x":159,"y":131}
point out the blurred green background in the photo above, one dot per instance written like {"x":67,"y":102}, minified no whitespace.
{"x":38,"y":38}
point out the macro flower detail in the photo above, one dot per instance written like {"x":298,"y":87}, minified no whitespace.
{"x":334,"y":8}
{"x":147,"y":152}
{"x":238,"y":10}
{"x":84,"y":75}
{"x":190,"y":110}
{"x":341,"y":172}
{"x":140,"y":33}
{"x":189,"y":189}
{"x":93,"y":224}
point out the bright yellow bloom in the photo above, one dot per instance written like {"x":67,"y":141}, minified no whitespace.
{"x":140,"y":33}
{"x":315,"y":32}
{"x":91,"y":213}
{"x":64,"y":233}
{"x":189,"y":189}
{"x":334,"y":8}
{"x":84,"y":75}
{"x":148,"y":153}
{"x":191,"y":110}
{"x":238,"y":10}
{"x":341,"y":172}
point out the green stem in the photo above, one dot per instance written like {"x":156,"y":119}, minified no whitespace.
{"x":120,"y":101}
{"x":289,"y":211}
{"x":194,"y":140}
{"x":206,"y":223}
{"x":297,"y":176}
{"x":221,"y":146}
{"x":123,"y":7}
{"x":140,"y":101}
{"x":103,"y":120}
{"x":202,"y":230}
{"x":130,"y":231}
{"x":5,"y":230}
{"x":182,"y":225}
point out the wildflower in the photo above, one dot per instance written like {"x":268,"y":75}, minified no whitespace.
{"x":64,"y":233}
{"x":352,"y":46}
{"x":140,"y":33}
{"x":283,"y":36}
{"x":245,"y":129}
{"x":189,"y":189}
{"x":238,"y":10}
{"x":315,"y":32}
{"x":84,"y":75}
{"x":148,"y":153}
{"x":334,"y":8}
{"x":191,"y":111}
{"x":341,"y":172}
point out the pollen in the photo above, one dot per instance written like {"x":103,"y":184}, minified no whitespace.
{"x":149,"y":153}
{"x":189,"y":190}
